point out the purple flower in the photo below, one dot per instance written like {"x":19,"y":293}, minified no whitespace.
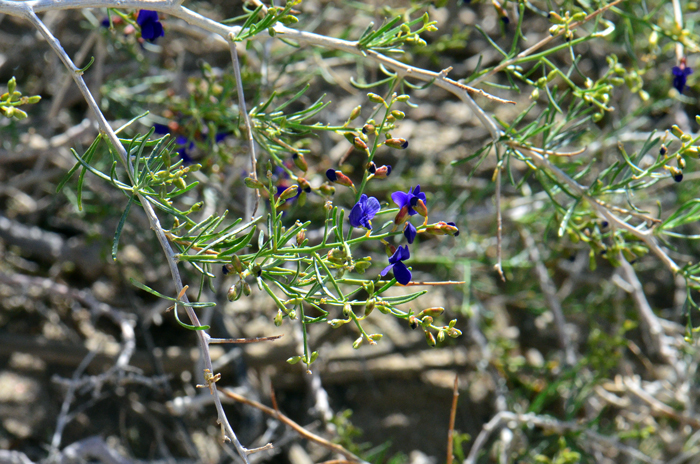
{"x":680,"y":76}
{"x":151,"y":28}
{"x":401,"y":272}
{"x":410,"y":232}
{"x":184,"y":145}
{"x":409,"y":200}
{"x":364,"y":211}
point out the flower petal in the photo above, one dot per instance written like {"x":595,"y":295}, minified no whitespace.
{"x":401,"y":273}
{"x":404,"y":253}
{"x":410,"y":232}
{"x":386,"y":270}
{"x":400,"y":198}
{"x":146,"y":16}
{"x":372,"y":207}
{"x":356,"y":215}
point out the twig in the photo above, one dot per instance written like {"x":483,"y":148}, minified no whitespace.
{"x":678,"y":19}
{"x":26,"y":11}
{"x":646,"y":235}
{"x":453,"y":414}
{"x":658,"y":406}
{"x":649,"y":323}
{"x":499,"y":226}
{"x":297,"y":428}
{"x":549,"y":424}
{"x":243,"y":340}
{"x":550,"y":293}
{"x":249,"y":129}
{"x":544,"y":42}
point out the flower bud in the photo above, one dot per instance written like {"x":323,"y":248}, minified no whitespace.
{"x":227,"y":268}
{"x":347,"y":310}
{"x":11,"y":85}
{"x":294,"y":359}
{"x":34,"y":99}
{"x":357,"y":343}
{"x":246,"y":289}
{"x":413,"y":322}
{"x":314,"y":357}
{"x":301,"y":236}
{"x":400,"y":144}
{"x":289,"y":192}
{"x":252,"y":183}
{"x":362,"y":265}
{"x":355,"y":113}
{"x":427,"y":320}
{"x":278,"y":318}
{"x":335,"y":323}
{"x":359,"y":144}
{"x":663,"y":150}
{"x":453,"y":333}
{"x":339,"y":178}
{"x":402,"y":216}
{"x":369,"y":128}
{"x":398,"y":114}
{"x":420,"y":208}
{"x":301,"y":199}
{"x":234,"y":292}
{"x":326,"y":190}
{"x":369,"y":307}
{"x":375,"y":337}
{"x":382,"y":172}
{"x":430,"y":338}
{"x":389,"y":249}
{"x":443,"y":228}
{"x":402,"y":98}
{"x":434,"y":312}
{"x":374,"y":98}
{"x":300,"y":161}
{"x":441,"y":336}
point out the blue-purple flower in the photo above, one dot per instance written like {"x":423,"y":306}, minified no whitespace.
{"x":401,"y":272}
{"x":410,"y":204}
{"x":151,"y":27}
{"x":410,"y":232}
{"x":364,"y":211}
{"x":680,"y":75}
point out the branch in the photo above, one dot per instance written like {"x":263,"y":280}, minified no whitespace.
{"x":297,"y":428}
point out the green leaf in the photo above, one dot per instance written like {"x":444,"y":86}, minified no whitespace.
{"x":120,"y":226}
